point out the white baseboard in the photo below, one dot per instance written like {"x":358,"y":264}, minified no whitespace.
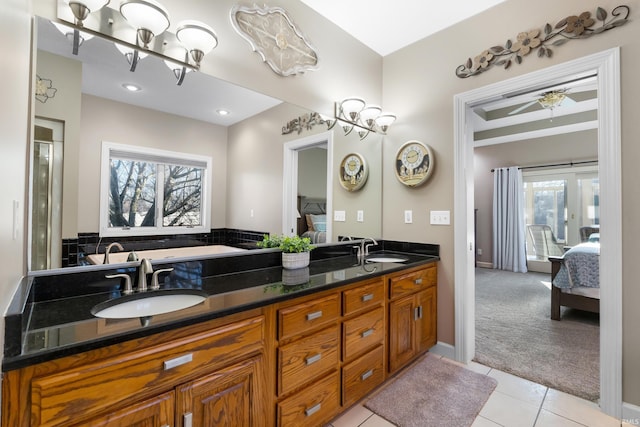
{"x":484,"y":264}
{"x":444,"y":349}
{"x":631,"y":414}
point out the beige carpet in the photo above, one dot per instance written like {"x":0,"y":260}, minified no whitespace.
{"x":433,"y":393}
{"x":515,"y":334}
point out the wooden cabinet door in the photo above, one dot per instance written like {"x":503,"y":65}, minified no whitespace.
{"x":402,"y":332}
{"x":154,"y":412}
{"x":230,"y":397}
{"x":427,"y":319}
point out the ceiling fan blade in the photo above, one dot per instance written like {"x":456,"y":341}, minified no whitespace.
{"x":523,"y":107}
{"x":568,"y":101}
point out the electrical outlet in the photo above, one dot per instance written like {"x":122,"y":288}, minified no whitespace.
{"x":360,"y":216}
{"x":440,"y":217}
{"x":339,"y":216}
{"x":479,"y":251}
{"x":408,"y":217}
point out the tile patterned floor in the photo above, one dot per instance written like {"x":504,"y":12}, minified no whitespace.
{"x":515,"y":402}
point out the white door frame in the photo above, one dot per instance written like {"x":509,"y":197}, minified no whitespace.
{"x":290,"y":180}
{"x":607,"y":66}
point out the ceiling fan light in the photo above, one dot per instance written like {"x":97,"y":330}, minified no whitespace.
{"x":552,"y":99}
{"x":146,"y":15}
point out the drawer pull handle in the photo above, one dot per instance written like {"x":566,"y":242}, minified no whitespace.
{"x":420,"y":312}
{"x":314,"y":315}
{"x":187,"y":419}
{"x":367,"y":297}
{"x":313,"y":359}
{"x":310,"y":411}
{"x":366,"y":375}
{"x":418,"y":281}
{"x":367,"y":333}
{"x":170,"y":364}
{"x":416,"y":313}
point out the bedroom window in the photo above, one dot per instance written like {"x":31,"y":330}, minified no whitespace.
{"x":564,"y":199}
{"x":147,"y":191}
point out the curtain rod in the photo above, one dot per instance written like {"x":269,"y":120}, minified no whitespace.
{"x":556,"y":165}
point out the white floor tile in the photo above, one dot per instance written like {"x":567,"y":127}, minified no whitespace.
{"x":519,"y":388}
{"x":483,"y":422}
{"x":549,"y":419}
{"x":353,"y":417}
{"x":509,"y":411}
{"x":477,"y":367}
{"x":579,"y":410}
{"x":376,"y":421}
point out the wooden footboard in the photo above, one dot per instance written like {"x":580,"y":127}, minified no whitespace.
{"x":559,"y":298}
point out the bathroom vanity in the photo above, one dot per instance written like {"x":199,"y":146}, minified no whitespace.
{"x":257,"y":352}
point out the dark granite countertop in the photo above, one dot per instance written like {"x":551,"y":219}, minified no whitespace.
{"x":49,"y":322}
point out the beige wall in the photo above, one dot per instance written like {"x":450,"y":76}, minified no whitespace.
{"x":66,"y":77}
{"x":312,"y":179}
{"x":419,"y":85}
{"x":572,"y":147}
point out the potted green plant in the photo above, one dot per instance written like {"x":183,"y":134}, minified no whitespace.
{"x":295,"y":249}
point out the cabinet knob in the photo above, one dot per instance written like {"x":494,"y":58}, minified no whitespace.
{"x":310,"y":411}
{"x":367,"y":333}
{"x":314,"y":315}
{"x":367,"y":297}
{"x":418,"y":281}
{"x":313,"y":359}
{"x":366,"y":375}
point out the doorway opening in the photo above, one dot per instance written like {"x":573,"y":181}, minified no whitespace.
{"x":606,"y":65}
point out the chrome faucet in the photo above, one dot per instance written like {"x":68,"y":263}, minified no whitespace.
{"x":144,"y":269}
{"x":365,"y":247}
{"x":106,"y":251}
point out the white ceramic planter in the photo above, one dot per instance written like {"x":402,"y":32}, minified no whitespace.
{"x":295,"y":260}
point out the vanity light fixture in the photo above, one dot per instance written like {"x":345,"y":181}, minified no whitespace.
{"x":179,"y":69}
{"x":132,"y":55}
{"x":81,"y":10}
{"x":198,"y":38}
{"x":354,"y":113}
{"x":148,"y":17}
{"x":68,"y":32}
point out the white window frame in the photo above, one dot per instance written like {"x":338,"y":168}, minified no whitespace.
{"x":163,"y":157}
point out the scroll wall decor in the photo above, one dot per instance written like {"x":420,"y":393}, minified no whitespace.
{"x":572,"y":27}
{"x":305,"y":122}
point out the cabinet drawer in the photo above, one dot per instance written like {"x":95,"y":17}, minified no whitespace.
{"x":314,"y":406}
{"x":362,"y":332}
{"x":302,"y":317}
{"x":302,"y":360}
{"x":362,"y":375}
{"x":411,"y":282}
{"x":363,"y":297}
{"x":104,"y":385}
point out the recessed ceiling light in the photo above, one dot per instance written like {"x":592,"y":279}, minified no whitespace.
{"x":223,"y":112}
{"x":131,"y":87}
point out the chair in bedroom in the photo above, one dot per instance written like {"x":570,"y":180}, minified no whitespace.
{"x":587,"y":231}
{"x":544,"y":241}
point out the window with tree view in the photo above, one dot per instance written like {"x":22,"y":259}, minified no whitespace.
{"x":154,"y":192}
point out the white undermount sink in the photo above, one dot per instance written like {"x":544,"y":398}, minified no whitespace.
{"x":150,"y":303}
{"x":385,"y":259}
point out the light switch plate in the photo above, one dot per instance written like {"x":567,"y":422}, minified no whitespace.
{"x":408,"y":217}
{"x":360,"y":216}
{"x":440,"y":217}
{"x":339,"y":216}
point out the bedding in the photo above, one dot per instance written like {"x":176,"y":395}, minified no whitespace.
{"x":575,"y":279}
{"x":316,"y":236}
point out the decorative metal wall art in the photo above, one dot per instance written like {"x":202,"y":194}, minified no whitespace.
{"x":572,"y":27}
{"x":305,"y":122}
{"x":44,"y":89}
{"x":272,"y":34}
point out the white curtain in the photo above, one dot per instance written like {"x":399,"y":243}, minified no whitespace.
{"x":509,"y":244}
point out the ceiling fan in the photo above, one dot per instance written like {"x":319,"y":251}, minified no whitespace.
{"x":549,"y":100}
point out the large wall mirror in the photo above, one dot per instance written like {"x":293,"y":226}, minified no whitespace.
{"x":81,"y":102}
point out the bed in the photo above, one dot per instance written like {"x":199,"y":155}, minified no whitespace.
{"x":575,"y":279}
{"x":313,"y":219}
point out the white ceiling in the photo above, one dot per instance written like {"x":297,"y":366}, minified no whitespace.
{"x":388,"y":25}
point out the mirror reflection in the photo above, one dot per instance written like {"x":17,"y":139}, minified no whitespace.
{"x":84,"y":100}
